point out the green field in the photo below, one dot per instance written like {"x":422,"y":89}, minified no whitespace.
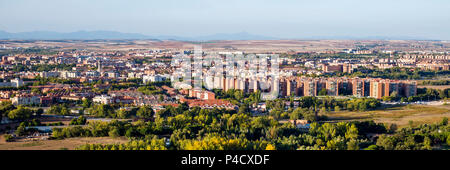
{"x":400,"y":115}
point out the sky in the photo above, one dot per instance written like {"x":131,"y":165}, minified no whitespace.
{"x":275,"y":18}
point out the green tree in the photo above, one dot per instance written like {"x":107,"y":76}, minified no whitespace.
{"x":310,"y":115}
{"x":39,"y":112}
{"x":243,"y":109}
{"x":337,"y":108}
{"x":114,"y":133}
{"x":352,"y":132}
{"x":8,"y":138}
{"x":427,"y":143}
{"x":36,"y":91}
{"x":385,"y":142}
{"x":410,"y":123}
{"x":296,"y":114}
{"x":59,"y":110}
{"x":86,"y":103}
{"x":102,"y":110}
{"x":444,"y":121}
{"x":145,"y":112}
{"x":238,"y":95}
{"x":81,"y":120}
{"x":21,"y":113}
{"x":392,"y":128}
{"x":372,"y":147}
{"x":123,"y":113}
{"x":20,"y":131}
{"x":352,"y":145}
{"x":323,"y":92}
{"x":161,"y":98}
{"x":5,"y":108}
{"x":448,"y":140}
{"x":165,"y":112}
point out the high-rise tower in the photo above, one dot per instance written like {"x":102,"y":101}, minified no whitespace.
{"x":99,"y":66}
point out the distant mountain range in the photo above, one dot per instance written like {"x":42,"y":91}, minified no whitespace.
{"x":49,"y":35}
{"x":91,"y":35}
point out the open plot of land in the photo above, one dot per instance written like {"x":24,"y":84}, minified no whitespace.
{"x":69,"y":143}
{"x":249,"y":46}
{"x":437,"y":87}
{"x":400,"y":115}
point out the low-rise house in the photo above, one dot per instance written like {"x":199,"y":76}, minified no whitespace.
{"x":25,"y":99}
{"x":103,"y":99}
{"x":301,"y":124}
{"x":201,"y":94}
{"x":209,"y":104}
{"x":152,"y":78}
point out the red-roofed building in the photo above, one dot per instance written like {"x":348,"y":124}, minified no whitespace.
{"x":209,"y":104}
{"x":201,"y":94}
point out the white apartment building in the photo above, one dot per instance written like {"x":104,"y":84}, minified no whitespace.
{"x":25,"y":100}
{"x":103,"y":99}
{"x":152,"y":78}
{"x":46,"y":74}
{"x":16,"y":82}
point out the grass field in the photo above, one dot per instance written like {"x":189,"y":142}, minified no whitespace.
{"x":400,"y":115}
{"x":70,"y":143}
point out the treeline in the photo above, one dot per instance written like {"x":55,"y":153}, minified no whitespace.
{"x":110,"y":111}
{"x":313,"y":109}
{"x":327,"y":136}
{"x":153,"y":88}
{"x":42,"y":67}
{"x":104,"y":110}
{"x":14,"y":88}
{"x":124,"y":85}
{"x":33,"y":50}
{"x":320,"y":56}
{"x":362,"y":104}
{"x":435,"y":82}
{"x":150,"y":90}
{"x":225,"y":129}
{"x":81,"y":120}
{"x":19,"y":113}
{"x":151,"y":144}
{"x":44,"y":81}
{"x":423,"y":137}
{"x":59,"y":109}
{"x":393,"y":73}
{"x":427,"y":94}
{"x":217,"y":129}
{"x":238,"y":96}
{"x":281,"y":108}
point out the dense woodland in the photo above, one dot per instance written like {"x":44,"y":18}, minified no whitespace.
{"x":435,"y":82}
{"x":181,"y":128}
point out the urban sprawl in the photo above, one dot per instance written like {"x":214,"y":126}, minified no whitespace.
{"x":54,"y":88}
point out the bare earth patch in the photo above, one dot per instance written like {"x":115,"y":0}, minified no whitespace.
{"x":69,"y":143}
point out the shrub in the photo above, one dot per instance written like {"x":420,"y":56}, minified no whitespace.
{"x":9,"y":138}
{"x":372,"y":147}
